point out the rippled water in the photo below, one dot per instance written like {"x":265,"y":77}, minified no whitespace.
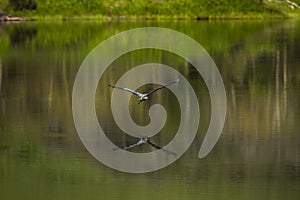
{"x":257,"y":156}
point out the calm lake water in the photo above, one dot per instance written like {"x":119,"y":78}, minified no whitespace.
{"x":257,"y":156}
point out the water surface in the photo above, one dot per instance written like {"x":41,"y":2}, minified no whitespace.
{"x":257,"y":156}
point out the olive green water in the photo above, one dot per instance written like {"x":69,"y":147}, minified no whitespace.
{"x":257,"y":156}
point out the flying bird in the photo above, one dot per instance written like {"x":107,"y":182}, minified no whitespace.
{"x":143,"y":97}
{"x":145,"y":140}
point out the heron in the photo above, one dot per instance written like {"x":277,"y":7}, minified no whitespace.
{"x":145,"y":140}
{"x":143,"y":96}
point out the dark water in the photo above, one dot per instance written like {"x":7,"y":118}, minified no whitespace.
{"x":257,"y":156}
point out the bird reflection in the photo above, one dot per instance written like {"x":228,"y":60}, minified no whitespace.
{"x":145,"y":140}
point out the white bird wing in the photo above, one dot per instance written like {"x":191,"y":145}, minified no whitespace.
{"x":126,"y":89}
{"x":132,"y":145}
{"x":161,"y":87}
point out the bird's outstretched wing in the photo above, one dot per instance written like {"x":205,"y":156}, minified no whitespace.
{"x":158,"y":147}
{"x":154,"y":145}
{"x":161,"y":87}
{"x":130,"y":146}
{"x":126,"y":89}
{"x":141,"y":141}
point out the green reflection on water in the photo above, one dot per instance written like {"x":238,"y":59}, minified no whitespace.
{"x":41,"y":156}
